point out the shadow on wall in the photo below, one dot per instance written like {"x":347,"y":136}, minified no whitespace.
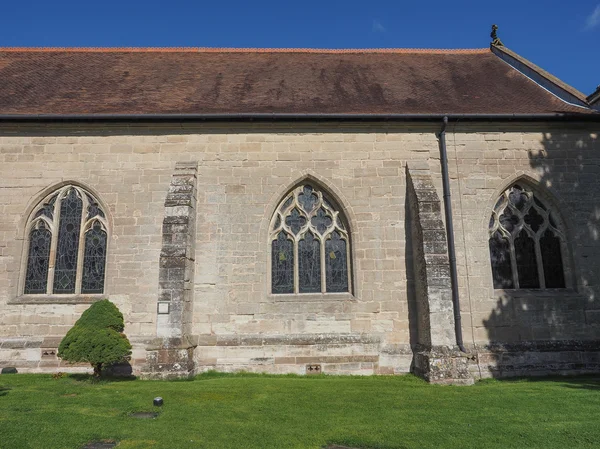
{"x":410,"y":276}
{"x":541,"y":331}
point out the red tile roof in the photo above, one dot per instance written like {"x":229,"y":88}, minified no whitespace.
{"x":66,"y":81}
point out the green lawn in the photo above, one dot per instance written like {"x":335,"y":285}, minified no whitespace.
{"x":251,"y":411}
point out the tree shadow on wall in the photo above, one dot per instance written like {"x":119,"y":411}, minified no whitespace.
{"x":556,"y":330}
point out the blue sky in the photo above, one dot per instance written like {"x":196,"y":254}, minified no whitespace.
{"x":561,"y":36}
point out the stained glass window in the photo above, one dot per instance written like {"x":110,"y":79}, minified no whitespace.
{"x":36,"y":279}
{"x":526,"y":244}
{"x":93,"y":260}
{"x":309,"y":264}
{"x":322,"y":221}
{"x":309,"y":244}
{"x":501,"y":263}
{"x":68,"y":243}
{"x":282,"y":266}
{"x":526,"y":261}
{"x":72,"y":222}
{"x":552,"y":260}
{"x":295,"y":221}
{"x":336,"y":263}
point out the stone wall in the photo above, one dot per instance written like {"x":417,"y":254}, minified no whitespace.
{"x":243,"y":172}
{"x":562,"y":163}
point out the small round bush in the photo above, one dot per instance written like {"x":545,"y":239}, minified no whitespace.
{"x":96,"y":338}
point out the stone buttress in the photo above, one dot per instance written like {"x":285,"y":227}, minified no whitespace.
{"x":436,"y":355}
{"x":170,"y":354}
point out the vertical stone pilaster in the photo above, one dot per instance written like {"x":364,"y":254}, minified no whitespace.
{"x":437,"y":357}
{"x":171,"y":355}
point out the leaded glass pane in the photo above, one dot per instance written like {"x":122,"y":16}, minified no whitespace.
{"x":500,"y":202}
{"x":286,"y":204}
{"x":309,"y":264}
{"x":321,"y":221}
{"x":509,"y":220}
{"x":501,"y":263}
{"x":308,"y":199}
{"x":518,"y":198}
{"x":94,"y":260}
{"x":534,"y":219}
{"x":68,"y":243}
{"x":295,"y":221}
{"x":282,"y":265}
{"x":526,"y":261}
{"x":47,"y":209}
{"x":277,"y":222}
{"x":552,"y":261}
{"x":93,"y":208}
{"x":336,"y":264}
{"x":327,"y":203}
{"x":36,"y":279}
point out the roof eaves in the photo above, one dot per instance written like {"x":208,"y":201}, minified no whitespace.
{"x":545,"y":79}
{"x":374,"y":117}
{"x":241,"y":50}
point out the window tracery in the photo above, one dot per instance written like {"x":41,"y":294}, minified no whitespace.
{"x":527,"y":245}
{"x":67,"y":240}
{"x":310,"y":249}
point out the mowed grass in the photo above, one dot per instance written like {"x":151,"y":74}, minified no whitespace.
{"x":253,"y":411}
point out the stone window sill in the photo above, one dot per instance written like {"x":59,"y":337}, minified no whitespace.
{"x":312,"y":297}
{"x":57,"y":299}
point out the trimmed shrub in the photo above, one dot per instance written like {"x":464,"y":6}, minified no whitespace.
{"x":97,"y":338}
{"x":103,"y":314}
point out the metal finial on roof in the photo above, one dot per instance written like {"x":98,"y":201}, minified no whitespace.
{"x":495,"y":40}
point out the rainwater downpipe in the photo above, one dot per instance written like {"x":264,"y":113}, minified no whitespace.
{"x":450,"y":233}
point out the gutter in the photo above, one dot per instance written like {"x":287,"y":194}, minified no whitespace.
{"x":266,"y":117}
{"x":450,"y":233}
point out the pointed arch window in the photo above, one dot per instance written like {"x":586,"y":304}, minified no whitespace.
{"x":527,"y":242}
{"x":310,"y":244}
{"x":66,"y":245}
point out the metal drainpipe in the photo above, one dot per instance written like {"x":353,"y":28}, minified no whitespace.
{"x":450,"y":232}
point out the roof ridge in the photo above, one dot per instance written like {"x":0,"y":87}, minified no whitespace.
{"x":244,"y":50}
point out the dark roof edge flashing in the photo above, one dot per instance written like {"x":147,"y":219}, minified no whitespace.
{"x":268,"y":117}
{"x":546,"y":80}
{"x":594,"y":99}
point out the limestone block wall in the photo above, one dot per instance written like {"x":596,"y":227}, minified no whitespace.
{"x":554,"y":328}
{"x":243,"y":173}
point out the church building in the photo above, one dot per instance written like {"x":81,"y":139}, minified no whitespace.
{"x":301,"y":210}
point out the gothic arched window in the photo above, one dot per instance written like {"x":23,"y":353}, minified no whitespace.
{"x":527,"y":244}
{"x":67,"y":238}
{"x":310,"y":244}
